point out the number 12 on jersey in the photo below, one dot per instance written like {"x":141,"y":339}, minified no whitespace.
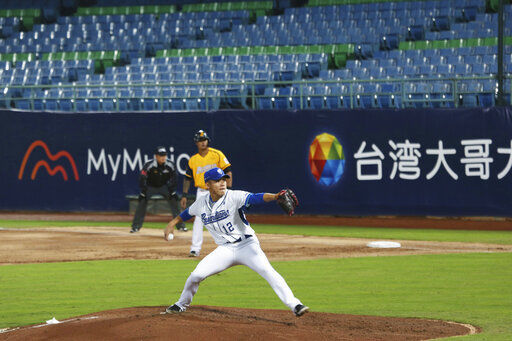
{"x":228,"y":228}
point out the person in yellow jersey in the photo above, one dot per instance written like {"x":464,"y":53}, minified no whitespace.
{"x":205,"y":159}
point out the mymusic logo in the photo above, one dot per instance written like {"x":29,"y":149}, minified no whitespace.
{"x":43,"y":163}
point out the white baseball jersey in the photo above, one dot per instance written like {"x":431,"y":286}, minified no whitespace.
{"x":225,"y":218}
{"x":237,"y":242}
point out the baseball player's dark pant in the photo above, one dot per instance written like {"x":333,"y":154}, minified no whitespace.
{"x":140,"y":212}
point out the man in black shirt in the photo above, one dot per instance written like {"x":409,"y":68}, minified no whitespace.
{"x":158,"y":176}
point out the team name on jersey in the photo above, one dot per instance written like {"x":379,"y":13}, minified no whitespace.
{"x":219,"y":215}
{"x":204,"y":169}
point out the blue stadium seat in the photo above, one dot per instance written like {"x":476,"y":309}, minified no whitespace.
{"x":22,"y":104}
{"x":486,"y":99}
{"x":108,"y":104}
{"x":389,"y":42}
{"x":335,"y":95}
{"x":469,"y":100}
{"x":51,"y":104}
{"x":440,"y":23}
{"x":363,"y":51}
{"x":283,"y":98}
{"x":415,"y":32}
{"x":212,"y":101}
{"x":366,"y":96}
{"x":265,"y":103}
{"x":177,"y":104}
{"x":38,"y":104}
{"x":193,"y":99}
{"x":65,"y":104}
{"x":466,"y":14}
{"x":298,"y":102}
{"x":149,"y":104}
{"x":94,"y":104}
{"x":81,"y":105}
{"x":368,"y":23}
{"x":315,"y":96}
{"x":386,"y":95}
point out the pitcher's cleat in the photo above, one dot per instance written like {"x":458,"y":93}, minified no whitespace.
{"x":174,"y":309}
{"x":300,"y":310}
{"x":193,"y":254}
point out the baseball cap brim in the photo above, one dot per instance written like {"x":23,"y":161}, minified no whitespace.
{"x":160,"y":151}
{"x":216,"y":178}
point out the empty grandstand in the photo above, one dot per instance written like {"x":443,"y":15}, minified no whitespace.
{"x":154,"y":55}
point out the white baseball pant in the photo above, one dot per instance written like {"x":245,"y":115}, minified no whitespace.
{"x":197,"y":230}
{"x":247,"y":252}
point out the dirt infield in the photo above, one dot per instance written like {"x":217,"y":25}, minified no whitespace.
{"x":221,"y":323}
{"x":44,"y":245}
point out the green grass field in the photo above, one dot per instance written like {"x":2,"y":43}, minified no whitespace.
{"x":471,"y":288}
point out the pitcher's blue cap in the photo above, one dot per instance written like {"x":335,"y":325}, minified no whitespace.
{"x":215,"y":174}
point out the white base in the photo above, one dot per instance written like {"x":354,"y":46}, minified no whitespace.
{"x":381,"y":244}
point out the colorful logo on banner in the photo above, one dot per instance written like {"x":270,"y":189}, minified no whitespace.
{"x":326,"y":159}
{"x":44,"y":163}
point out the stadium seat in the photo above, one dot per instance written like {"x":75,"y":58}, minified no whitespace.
{"x":366,"y":96}
{"x":265,"y":103}
{"x":51,"y":104}
{"x":267,"y":100}
{"x":469,"y":100}
{"x":22,"y":104}
{"x":65,"y":105}
{"x":386,"y":95}
{"x":415,"y":32}
{"x":81,"y":105}
{"x":177,"y":104}
{"x":108,"y":104}
{"x":335,"y":95}
{"x":390,"y":39}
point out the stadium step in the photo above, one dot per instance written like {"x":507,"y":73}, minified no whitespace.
{"x":17,"y":57}
{"x":454,"y":43}
{"x":21,"y":13}
{"x":250,"y":50}
{"x":314,"y":3}
{"x":125,"y":10}
{"x":228,"y":6}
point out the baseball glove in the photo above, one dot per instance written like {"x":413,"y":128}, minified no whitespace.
{"x":288,"y":201}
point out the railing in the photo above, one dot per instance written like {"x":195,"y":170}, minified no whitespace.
{"x":349,"y":94}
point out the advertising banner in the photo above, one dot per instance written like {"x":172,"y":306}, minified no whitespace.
{"x":353,"y":162}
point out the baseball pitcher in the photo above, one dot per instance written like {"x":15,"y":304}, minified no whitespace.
{"x":222,"y":212}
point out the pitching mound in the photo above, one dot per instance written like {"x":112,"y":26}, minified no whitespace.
{"x":221,"y":323}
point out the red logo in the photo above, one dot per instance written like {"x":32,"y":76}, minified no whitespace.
{"x":43,"y":163}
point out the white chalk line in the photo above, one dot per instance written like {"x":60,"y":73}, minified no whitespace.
{"x":8,"y":330}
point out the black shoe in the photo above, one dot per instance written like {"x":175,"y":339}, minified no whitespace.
{"x":193,"y":254}
{"x":174,"y":309}
{"x":300,"y":310}
{"x":184,"y":229}
{"x":134,"y":230}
